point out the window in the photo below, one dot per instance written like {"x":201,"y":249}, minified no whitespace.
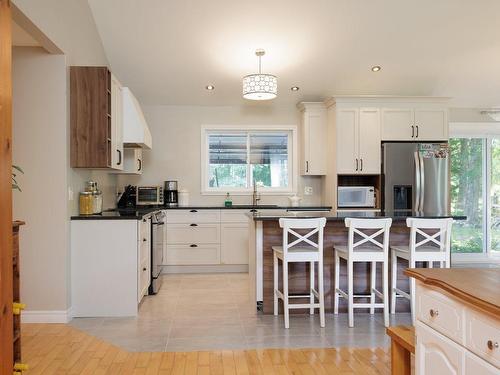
{"x":475,"y":193}
{"x":234,"y":160}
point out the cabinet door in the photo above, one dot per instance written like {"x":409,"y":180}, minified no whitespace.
{"x":314,"y":130}
{"x":369,"y":141}
{"x":116,"y":125}
{"x":431,"y":124}
{"x":132,"y":161}
{"x":234,"y":243}
{"x":347,"y":145}
{"x":436,"y":354}
{"x":478,"y":366}
{"x":397,"y":124}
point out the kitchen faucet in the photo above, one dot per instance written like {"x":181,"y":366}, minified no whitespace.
{"x":255,"y":195}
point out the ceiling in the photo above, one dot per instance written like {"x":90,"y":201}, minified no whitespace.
{"x":168,"y":50}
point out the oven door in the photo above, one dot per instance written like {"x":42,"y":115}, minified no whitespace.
{"x":147,"y":195}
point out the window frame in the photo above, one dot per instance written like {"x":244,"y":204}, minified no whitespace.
{"x":206,"y":130}
{"x":484,"y":131}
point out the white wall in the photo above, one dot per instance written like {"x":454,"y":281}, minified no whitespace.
{"x":176,"y":147}
{"x":40,"y":148}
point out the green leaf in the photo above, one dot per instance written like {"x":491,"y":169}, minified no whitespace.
{"x":18,"y":168}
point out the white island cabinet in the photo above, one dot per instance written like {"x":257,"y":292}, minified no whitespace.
{"x":110,"y":266}
{"x":458,"y":321}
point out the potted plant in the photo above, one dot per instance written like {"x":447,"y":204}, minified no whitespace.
{"x":16,"y":169}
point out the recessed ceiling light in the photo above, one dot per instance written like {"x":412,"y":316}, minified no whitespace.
{"x":210,"y":87}
{"x":376,"y":68}
{"x":294,"y":88}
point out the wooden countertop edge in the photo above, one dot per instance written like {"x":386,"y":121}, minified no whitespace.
{"x":17,"y":223}
{"x":457,"y":293}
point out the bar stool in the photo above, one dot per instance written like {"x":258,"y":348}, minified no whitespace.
{"x":308,"y":251}
{"x":367,"y":248}
{"x":430,"y":248}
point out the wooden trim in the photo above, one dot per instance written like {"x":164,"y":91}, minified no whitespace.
{"x":476,"y":287}
{"x":6,"y":317}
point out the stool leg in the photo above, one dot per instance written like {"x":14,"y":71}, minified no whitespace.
{"x":321,"y":295}
{"x":350,"y":292}
{"x":373,"y":281}
{"x":394,"y":281}
{"x":275,"y":267}
{"x":285,"y":294}
{"x":386,"y":291}
{"x":412,"y":294}
{"x":336,"y":285}
{"x":311,"y":282}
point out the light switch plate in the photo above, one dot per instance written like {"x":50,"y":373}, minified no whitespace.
{"x":71,"y":196}
{"x":308,"y":190}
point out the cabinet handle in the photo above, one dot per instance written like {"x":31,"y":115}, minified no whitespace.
{"x":140,"y":165}
{"x":307,"y":166}
{"x":144,"y":269}
{"x":193,"y":225}
{"x":119,"y":157}
{"x":357,"y":165}
{"x":361,"y":165}
{"x":492,"y":345}
{"x":144,"y":239}
{"x":193,"y":211}
{"x":416,"y":136}
{"x":193,"y":245}
{"x":412,"y":131}
{"x":433,"y":313}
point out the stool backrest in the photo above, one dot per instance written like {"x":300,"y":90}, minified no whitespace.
{"x":369,"y":230}
{"x":289,"y":226}
{"x":441,"y":238}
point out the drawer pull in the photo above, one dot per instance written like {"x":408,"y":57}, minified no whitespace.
{"x":492,"y":345}
{"x":193,"y":245}
{"x":193,"y":225}
{"x":193,"y":211}
{"x":144,"y":269}
{"x":434,"y":313}
{"x":144,"y":239}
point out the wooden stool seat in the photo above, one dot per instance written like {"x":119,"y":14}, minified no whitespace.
{"x":402,"y":346}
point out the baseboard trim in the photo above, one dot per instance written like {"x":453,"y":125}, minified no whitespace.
{"x":49,"y":316}
{"x":238,"y":268}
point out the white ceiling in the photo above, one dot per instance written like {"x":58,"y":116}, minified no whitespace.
{"x":167,"y":51}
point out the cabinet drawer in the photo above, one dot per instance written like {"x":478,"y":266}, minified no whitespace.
{"x":144,"y":252}
{"x":193,"y":216}
{"x":144,"y":229}
{"x":441,"y":313}
{"x":478,"y":366}
{"x":193,"y":233}
{"x":482,"y":336}
{"x":190,"y":255}
{"x":234,"y":216}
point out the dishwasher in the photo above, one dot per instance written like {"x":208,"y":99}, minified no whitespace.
{"x":158,"y":241}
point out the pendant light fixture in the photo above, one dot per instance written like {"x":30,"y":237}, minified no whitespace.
{"x":260,"y":86}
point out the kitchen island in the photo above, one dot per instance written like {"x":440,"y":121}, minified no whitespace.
{"x":266,"y":233}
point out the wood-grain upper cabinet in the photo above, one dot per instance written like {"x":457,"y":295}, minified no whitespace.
{"x":414,"y":124}
{"x":358,"y":140}
{"x":313,"y":139}
{"x":95,"y":117}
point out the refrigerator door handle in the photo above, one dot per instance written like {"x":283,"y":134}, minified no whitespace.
{"x":417,"y":181}
{"x":422,"y":182}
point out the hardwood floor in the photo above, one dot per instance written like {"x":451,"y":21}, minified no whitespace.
{"x":62,"y":349}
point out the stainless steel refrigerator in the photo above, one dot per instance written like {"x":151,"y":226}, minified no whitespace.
{"x":415,"y":177}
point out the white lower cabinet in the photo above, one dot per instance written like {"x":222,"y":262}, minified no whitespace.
{"x":207,"y":237}
{"x":476,"y":366}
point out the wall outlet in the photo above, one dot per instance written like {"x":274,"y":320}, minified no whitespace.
{"x":71,"y":196}
{"x":308,"y":190}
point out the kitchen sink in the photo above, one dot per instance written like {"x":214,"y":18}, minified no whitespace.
{"x":252,"y":207}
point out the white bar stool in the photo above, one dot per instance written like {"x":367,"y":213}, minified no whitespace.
{"x":430,"y":248}
{"x":367,"y":248}
{"x":290,"y":252}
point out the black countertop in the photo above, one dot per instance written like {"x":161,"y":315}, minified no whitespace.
{"x":139,"y":213}
{"x":340,"y":216}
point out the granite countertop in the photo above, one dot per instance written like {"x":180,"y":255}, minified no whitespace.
{"x":139,"y":213}
{"x":340,"y":216}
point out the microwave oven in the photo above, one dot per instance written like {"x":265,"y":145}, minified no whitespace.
{"x":149,"y":196}
{"x":356,"y":196}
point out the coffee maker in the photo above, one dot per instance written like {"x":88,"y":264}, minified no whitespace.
{"x":170,"y":194}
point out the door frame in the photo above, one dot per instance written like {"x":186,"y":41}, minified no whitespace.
{"x":6,"y":275}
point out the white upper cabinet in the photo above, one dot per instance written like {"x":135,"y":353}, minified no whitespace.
{"x":414,"y":124}
{"x":313,"y":140}
{"x":358,"y":140}
{"x":116,"y":124}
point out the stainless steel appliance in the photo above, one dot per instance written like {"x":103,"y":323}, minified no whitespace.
{"x":149,"y":195}
{"x":355,"y":196}
{"x":416,"y":177}
{"x":171,"y":194}
{"x":158,"y":243}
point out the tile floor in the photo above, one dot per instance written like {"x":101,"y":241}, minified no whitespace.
{"x":214,"y":312}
